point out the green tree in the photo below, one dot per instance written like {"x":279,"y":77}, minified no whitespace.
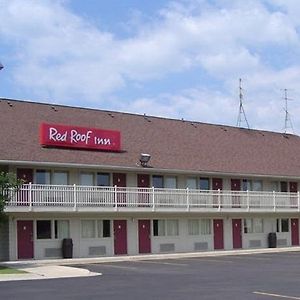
{"x":9,"y":185}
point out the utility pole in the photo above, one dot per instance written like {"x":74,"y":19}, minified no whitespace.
{"x":242,"y":115}
{"x":287,"y":120}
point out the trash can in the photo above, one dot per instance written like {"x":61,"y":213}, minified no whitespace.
{"x":67,"y":248}
{"x":272,"y":240}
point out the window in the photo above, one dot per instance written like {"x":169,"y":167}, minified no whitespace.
{"x":88,"y":229}
{"x":171,"y":182}
{"x":257,"y":185}
{"x":258,"y":226}
{"x":95,"y":228}
{"x":283,"y":186}
{"x":282,"y":225}
{"x":274,"y":186}
{"x":103,"y":179}
{"x":199,"y":227}
{"x":252,"y":185}
{"x":87,"y":179}
{"x":42,"y":177}
{"x":191,"y":183}
{"x":247,"y":185}
{"x":43,"y":229}
{"x":103,"y":227}
{"x":205,"y":226}
{"x":204,"y":183}
{"x":165,"y":227}
{"x":60,"y":178}
{"x":193,"y":227}
{"x":158,"y":181}
{"x":253,"y":225}
{"x":172,"y":227}
{"x":61,"y":229}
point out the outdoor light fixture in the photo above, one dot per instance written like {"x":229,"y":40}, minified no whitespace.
{"x":144,"y":159}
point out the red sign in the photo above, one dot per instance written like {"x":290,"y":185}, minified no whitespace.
{"x":54,"y":135}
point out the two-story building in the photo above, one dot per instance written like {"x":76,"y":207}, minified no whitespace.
{"x":120,"y":183}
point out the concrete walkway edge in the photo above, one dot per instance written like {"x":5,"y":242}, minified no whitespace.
{"x":60,"y":268}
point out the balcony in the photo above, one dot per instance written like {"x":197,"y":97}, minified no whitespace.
{"x":59,"y":198}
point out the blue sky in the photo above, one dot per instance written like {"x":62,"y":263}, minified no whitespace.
{"x":179,"y":59}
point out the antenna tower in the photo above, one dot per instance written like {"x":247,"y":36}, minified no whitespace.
{"x":242,"y":115}
{"x":287,"y":121}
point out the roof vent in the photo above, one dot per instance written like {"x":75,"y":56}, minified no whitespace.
{"x":54,"y":108}
{"x":10,"y":104}
{"x":146,"y":118}
{"x":194,"y":125}
{"x":111,"y":115}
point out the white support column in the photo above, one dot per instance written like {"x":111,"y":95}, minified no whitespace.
{"x":274,"y":201}
{"x":153,"y":199}
{"x":298,"y":200}
{"x":30,"y":196}
{"x":248,"y":201}
{"x":219,"y":200}
{"x":116,"y":197}
{"x":187,"y":199}
{"x":74,"y":197}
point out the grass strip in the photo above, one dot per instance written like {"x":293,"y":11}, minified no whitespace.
{"x":5,"y":271}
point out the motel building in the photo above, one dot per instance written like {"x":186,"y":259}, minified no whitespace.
{"x":124,"y":184}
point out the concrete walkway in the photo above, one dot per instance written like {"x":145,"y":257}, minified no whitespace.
{"x":58,"y":268}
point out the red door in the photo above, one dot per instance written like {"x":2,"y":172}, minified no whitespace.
{"x":217,"y":184}
{"x":237,"y":233}
{"x":144,"y":236}
{"x":25,"y":239}
{"x":120,"y":236}
{"x":143,"y":182}
{"x":218,"y":234}
{"x":294,"y":196}
{"x":119,"y":180}
{"x":295,"y":232}
{"x":236,"y":186}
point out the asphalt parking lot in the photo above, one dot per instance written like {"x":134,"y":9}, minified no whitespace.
{"x":256,"y":276}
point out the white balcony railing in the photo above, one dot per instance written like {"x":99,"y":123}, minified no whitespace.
{"x":75,"y":197}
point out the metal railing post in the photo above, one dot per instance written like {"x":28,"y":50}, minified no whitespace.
{"x":187,"y":199}
{"x":153,"y":199}
{"x":30,"y":196}
{"x":248,"y":200}
{"x":116,"y":197}
{"x":219,"y":200}
{"x":74,"y":197}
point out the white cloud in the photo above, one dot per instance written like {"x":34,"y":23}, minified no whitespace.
{"x":62,"y":56}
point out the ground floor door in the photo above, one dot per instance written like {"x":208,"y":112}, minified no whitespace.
{"x":144,"y":236}
{"x":120,"y":236}
{"x":295,"y":232}
{"x":25,"y":239}
{"x":218,"y":234}
{"x":237,"y":233}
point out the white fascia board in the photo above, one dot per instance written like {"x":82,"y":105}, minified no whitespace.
{"x":151,"y":170}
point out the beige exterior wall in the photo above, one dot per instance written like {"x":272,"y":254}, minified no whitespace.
{"x":159,"y":244}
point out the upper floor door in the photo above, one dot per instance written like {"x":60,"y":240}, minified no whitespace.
{"x":25,"y":174}
{"x":119,"y":180}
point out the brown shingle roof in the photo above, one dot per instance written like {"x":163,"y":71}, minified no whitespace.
{"x":173,"y":144}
